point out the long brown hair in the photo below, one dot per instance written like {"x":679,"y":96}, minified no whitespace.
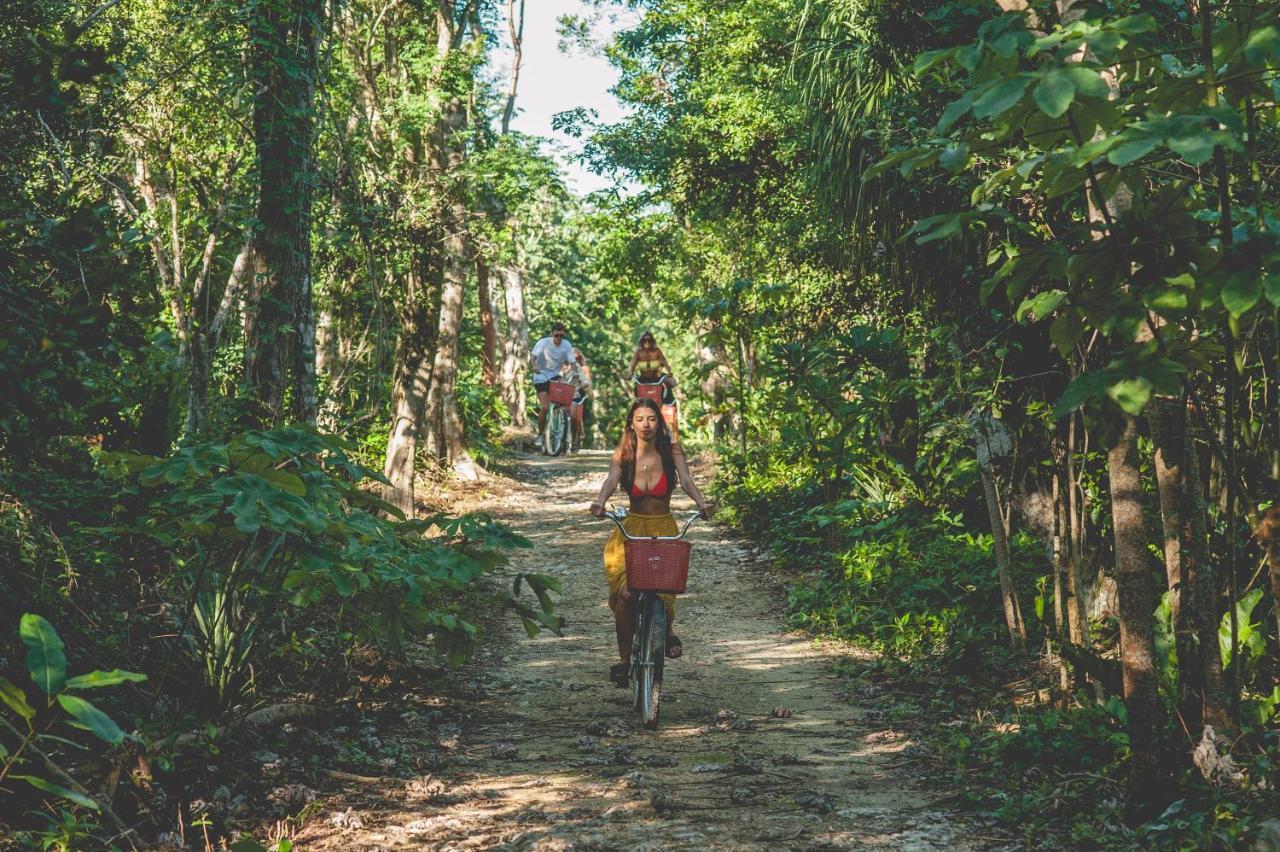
{"x":625,"y":455}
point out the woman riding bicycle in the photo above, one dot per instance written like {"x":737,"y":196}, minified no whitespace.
{"x":649,"y":365}
{"x":578,"y":374}
{"x":648,"y":466}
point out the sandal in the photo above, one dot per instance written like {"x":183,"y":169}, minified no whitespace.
{"x":674,"y":644}
{"x":618,"y":674}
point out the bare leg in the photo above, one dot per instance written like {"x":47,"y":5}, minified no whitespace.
{"x":542,"y":411}
{"x":623,"y":624}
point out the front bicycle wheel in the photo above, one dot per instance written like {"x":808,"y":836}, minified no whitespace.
{"x":649,"y":653}
{"x":557,"y":430}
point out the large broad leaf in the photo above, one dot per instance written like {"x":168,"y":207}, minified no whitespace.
{"x":1132,"y":150}
{"x":1040,"y":305}
{"x":45,"y":659}
{"x":94,"y":680}
{"x":91,"y":719}
{"x":954,"y":111}
{"x":15,"y":699}
{"x":1055,"y":92}
{"x":1088,"y":82}
{"x":1241,"y":292}
{"x":62,"y":792}
{"x":954,"y":158}
{"x":1066,"y":330}
{"x":1131,"y":394}
{"x":1001,"y":97}
{"x":1271,"y":287}
{"x":1262,"y":44}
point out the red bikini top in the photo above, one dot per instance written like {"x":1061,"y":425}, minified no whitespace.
{"x":659,"y":488}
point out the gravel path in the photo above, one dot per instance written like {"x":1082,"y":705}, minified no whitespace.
{"x":756,"y":750}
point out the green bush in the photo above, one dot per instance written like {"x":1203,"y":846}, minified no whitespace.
{"x":269,"y":526}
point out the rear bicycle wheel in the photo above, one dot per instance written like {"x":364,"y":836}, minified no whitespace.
{"x":649,"y":652}
{"x":557,"y":430}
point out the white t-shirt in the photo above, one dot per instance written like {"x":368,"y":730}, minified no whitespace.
{"x":548,"y":358}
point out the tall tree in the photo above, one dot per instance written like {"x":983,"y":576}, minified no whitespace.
{"x":285,"y":39}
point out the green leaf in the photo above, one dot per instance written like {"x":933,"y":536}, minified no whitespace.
{"x":1195,"y":148}
{"x":1129,"y":152}
{"x":1041,"y":305}
{"x":45,"y":658}
{"x":1131,"y":394}
{"x":62,"y":792}
{"x":954,"y":111}
{"x":1241,"y":292}
{"x":1170,"y":300}
{"x":1001,"y":97}
{"x":1065,"y":331}
{"x":1261,"y":45}
{"x":92,"y":719}
{"x":16,"y":699}
{"x":954,"y":158}
{"x":1088,"y":82}
{"x":94,"y":680}
{"x":1271,"y":287}
{"x":1055,"y":93}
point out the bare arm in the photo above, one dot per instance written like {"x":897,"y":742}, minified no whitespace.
{"x":687,"y":483}
{"x":610,"y":485}
{"x":635,"y":359}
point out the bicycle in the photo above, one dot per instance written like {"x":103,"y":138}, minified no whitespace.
{"x":657,"y":392}
{"x":555,"y":439}
{"x":655,"y":564}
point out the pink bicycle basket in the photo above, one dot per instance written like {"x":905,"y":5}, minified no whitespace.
{"x":658,"y":565}
{"x":653,"y":392}
{"x":561,"y":393}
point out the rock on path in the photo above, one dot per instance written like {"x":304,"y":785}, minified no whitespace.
{"x":754,"y":750}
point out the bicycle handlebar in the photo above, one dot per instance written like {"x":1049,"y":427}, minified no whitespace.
{"x":618,"y":514}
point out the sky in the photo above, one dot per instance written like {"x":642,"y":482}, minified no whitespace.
{"x":552,"y":82}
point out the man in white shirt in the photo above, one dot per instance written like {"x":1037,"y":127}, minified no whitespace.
{"x":547,"y":359}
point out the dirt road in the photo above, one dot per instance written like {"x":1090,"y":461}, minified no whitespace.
{"x":755,"y":750}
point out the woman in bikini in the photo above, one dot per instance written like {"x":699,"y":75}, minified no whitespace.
{"x":650,"y":365}
{"x":648,"y":465}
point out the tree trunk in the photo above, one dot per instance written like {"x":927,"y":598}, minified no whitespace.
{"x":207,"y":340}
{"x":1268,"y":535}
{"x":443,"y":418}
{"x":1000,"y":545}
{"x":410,"y":385}
{"x":515,"y":25}
{"x":1138,"y":598}
{"x":1200,"y":598}
{"x":515,"y":357}
{"x":280,"y":328}
{"x":487,"y":327}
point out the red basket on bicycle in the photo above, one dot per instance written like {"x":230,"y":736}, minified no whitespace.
{"x":653,"y":392}
{"x":561,"y":393}
{"x":658,"y":565}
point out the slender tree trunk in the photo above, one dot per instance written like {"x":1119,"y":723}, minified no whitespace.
{"x":1138,"y":598}
{"x":410,"y":384}
{"x":515,"y":25}
{"x":487,"y":326}
{"x":1000,"y":545}
{"x":1202,"y":673}
{"x":207,"y":341}
{"x":516,"y":350}
{"x":443,"y":417}
{"x":1268,"y":535}
{"x":280,"y":332}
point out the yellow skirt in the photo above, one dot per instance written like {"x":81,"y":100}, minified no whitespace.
{"x":615,"y":555}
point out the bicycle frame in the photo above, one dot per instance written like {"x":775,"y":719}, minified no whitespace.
{"x":646,"y":660}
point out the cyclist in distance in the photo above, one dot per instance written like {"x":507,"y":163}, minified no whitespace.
{"x":648,"y":466}
{"x":650,"y":365}
{"x":548,"y":358}
{"x":578,"y":374}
